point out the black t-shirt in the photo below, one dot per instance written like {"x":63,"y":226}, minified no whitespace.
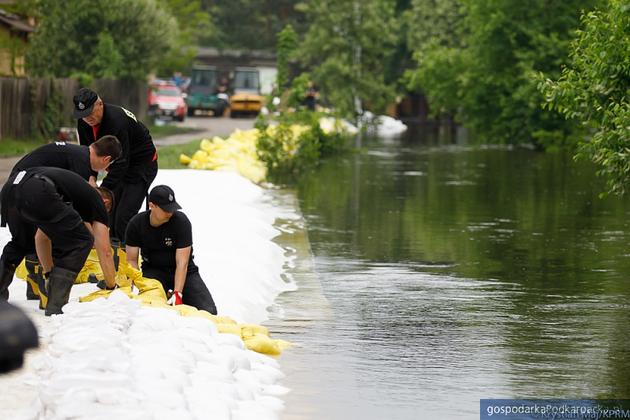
{"x":158,"y":244}
{"x":59,"y":154}
{"x":73,"y":189}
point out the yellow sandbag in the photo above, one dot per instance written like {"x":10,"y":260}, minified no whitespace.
{"x":260,"y":343}
{"x":184,"y":159}
{"x":104,"y":294}
{"x":91,"y":266}
{"x":250,"y":330}
{"x":237,"y":153}
{"x":42,"y":297}
{"x":20,"y":271}
{"x":229,"y":329}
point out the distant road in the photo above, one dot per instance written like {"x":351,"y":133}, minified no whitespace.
{"x":208,"y":128}
{"x":211,"y":127}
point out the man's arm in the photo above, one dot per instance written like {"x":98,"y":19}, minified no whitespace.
{"x":132,"y":256}
{"x":104,"y":252}
{"x":182,"y":255}
{"x":43,"y":247}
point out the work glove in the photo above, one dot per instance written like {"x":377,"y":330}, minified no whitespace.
{"x":103,"y":285}
{"x":175,"y":298}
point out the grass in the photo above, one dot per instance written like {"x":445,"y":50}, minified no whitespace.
{"x":168,"y":156}
{"x":12,"y":147}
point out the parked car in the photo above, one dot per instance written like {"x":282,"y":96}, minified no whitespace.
{"x":166,"y":100}
{"x":202,"y":91}
{"x":246,"y":98}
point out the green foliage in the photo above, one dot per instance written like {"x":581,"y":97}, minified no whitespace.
{"x":286,"y":46}
{"x":15,"y":47}
{"x":107,"y":61}
{"x":250,"y":24}
{"x":194,"y":24}
{"x":593,"y":90}
{"x":347,"y":50}
{"x":295,"y":141}
{"x":299,"y":86}
{"x":81,"y":36}
{"x":435,"y":33}
{"x":22,"y":7}
{"x":46,"y":121}
{"x":479,"y":61}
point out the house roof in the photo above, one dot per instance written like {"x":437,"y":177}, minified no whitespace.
{"x":209,"y":52}
{"x":15,"y":22}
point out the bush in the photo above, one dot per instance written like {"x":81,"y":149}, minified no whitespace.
{"x":293,"y":141}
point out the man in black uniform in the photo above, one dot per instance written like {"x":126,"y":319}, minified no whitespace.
{"x":82,"y":160}
{"x":130,"y":177}
{"x":164,"y":236}
{"x":60,"y":215}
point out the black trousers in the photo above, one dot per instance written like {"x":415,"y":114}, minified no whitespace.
{"x":128,"y":199}
{"x":195,"y":292}
{"x":39,"y":205}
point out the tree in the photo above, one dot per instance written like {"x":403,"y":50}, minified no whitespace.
{"x":347,"y":48}
{"x":195,"y":25}
{"x":251,"y":24}
{"x":114,"y":38}
{"x":435,"y":34}
{"x":485,"y":70}
{"x":593,"y":90}
{"x":286,"y":47}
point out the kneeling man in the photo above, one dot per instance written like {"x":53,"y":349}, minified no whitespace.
{"x":164,"y":237}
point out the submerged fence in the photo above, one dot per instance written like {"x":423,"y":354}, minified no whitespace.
{"x":39,"y":107}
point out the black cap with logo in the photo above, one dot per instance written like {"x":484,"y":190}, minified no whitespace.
{"x":84,"y":102}
{"x":163,"y":196}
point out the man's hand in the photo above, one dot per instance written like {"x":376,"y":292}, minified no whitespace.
{"x":175,"y":298}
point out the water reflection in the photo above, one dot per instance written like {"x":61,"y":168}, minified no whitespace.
{"x":457,"y":273}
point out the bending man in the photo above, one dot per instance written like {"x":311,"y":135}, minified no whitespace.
{"x":82,"y":160}
{"x":164,"y":236}
{"x":65,"y":216}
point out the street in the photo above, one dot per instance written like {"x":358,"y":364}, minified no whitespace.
{"x":211,"y":127}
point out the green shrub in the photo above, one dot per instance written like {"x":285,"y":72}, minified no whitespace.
{"x":294,"y":141}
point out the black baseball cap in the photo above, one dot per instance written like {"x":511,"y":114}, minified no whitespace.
{"x":163,"y":196}
{"x":84,"y":102}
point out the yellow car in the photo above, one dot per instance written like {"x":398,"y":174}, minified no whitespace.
{"x":246,"y":98}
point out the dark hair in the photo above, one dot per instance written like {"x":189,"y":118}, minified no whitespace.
{"x":108,"y":146}
{"x":106,"y":193}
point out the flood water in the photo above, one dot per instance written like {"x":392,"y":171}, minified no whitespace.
{"x":442,"y":274}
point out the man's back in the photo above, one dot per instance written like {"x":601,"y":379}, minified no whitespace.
{"x":72,"y":188}
{"x":59,"y":154}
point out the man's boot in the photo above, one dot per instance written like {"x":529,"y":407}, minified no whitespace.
{"x":6,"y":277}
{"x":59,"y":284}
{"x":34,"y":270}
{"x":17,"y":334}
